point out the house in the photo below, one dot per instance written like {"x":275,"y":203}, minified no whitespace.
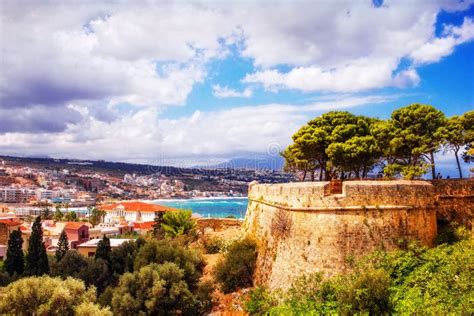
{"x":7,"y":225}
{"x":77,"y":233}
{"x":89,"y":248}
{"x":103,"y":230}
{"x":132,"y":211}
{"x":143,"y":227}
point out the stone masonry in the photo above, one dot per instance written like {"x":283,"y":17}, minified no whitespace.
{"x":302,"y":228}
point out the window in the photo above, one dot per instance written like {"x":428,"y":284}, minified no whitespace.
{"x":91,"y":254}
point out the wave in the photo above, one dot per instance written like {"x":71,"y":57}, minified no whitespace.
{"x":197,"y":199}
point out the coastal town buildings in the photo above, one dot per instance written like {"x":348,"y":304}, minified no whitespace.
{"x":132,"y":211}
{"x":89,"y":248}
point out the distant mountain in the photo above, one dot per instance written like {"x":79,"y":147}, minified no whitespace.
{"x":257,"y":163}
{"x":38,"y":156}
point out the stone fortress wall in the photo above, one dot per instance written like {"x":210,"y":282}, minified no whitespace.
{"x":302,"y":228}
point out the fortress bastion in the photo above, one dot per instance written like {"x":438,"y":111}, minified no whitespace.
{"x":303,"y":227}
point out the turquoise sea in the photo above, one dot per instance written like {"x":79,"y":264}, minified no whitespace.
{"x":210,"y":207}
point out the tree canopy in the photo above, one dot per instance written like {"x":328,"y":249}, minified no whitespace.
{"x":47,"y":296}
{"x":36,"y":258}
{"x":15,"y":257}
{"x":63,"y":246}
{"x":176,"y":223}
{"x":339,"y":144}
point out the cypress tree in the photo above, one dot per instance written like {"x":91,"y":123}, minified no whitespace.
{"x":15,"y":259}
{"x":63,"y":246}
{"x":36,"y":258}
{"x":103,"y":249}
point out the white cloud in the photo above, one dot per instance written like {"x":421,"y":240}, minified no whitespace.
{"x":347,"y":47}
{"x":145,"y":137}
{"x":81,"y":62}
{"x":359,"y":75}
{"x":437,"y":48}
{"x":226,"y":92}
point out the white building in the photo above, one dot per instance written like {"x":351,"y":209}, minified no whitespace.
{"x":43,"y":194}
{"x":132,"y":211}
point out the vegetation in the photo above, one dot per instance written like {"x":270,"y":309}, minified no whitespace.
{"x":237,"y":267}
{"x":459,"y":133}
{"x":161,"y":251}
{"x":341,"y":145}
{"x":155,"y":289}
{"x":103,"y":249}
{"x":46,"y":213}
{"x":123,"y":257}
{"x":47,"y":296}
{"x":14,"y":264}
{"x":58,"y":215}
{"x":177,"y":223}
{"x":436,"y":281}
{"x":36,"y":258}
{"x":63,"y":246}
{"x":213,"y":245}
{"x":89,"y":270}
{"x":71,"y":217}
{"x":95,"y":215}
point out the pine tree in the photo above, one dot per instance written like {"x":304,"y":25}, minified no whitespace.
{"x":15,"y":258}
{"x":36,"y":258}
{"x":103,"y":249}
{"x":63,"y":246}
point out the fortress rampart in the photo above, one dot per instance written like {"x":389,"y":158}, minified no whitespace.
{"x":302,"y":228}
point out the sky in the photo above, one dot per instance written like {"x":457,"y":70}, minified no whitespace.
{"x":200,"y":82}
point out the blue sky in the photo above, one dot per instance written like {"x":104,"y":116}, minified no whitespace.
{"x":189,"y":83}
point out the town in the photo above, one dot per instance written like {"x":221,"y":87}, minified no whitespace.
{"x":29,"y":182}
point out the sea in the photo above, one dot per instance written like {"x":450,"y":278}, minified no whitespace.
{"x":210,"y":207}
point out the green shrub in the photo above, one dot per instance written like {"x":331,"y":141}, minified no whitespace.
{"x":45,"y":296}
{"x":213,"y":245}
{"x":434,"y":281}
{"x":365,"y":291}
{"x":158,"y":290}
{"x":177,"y":223}
{"x":92,"y":271}
{"x":161,"y":251}
{"x":259,"y":301}
{"x":237,"y":267}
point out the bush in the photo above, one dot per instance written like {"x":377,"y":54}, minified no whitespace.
{"x":177,"y":223}
{"x":213,"y":245}
{"x":122,"y":257}
{"x":365,"y":291}
{"x":45,"y":296}
{"x":259,"y":301}
{"x":156,"y":290}
{"x":91,"y":271}
{"x":237,"y":267}
{"x":441,"y":280}
{"x":162,"y":251}
{"x":434,"y":281}
{"x":450,"y":233}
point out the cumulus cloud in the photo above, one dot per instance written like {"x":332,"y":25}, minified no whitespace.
{"x":437,"y":48}
{"x":144,"y":55}
{"x":350,"y":47}
{"x":67,"y":69}
{"x":145,"y":137}
{"x":357,"y":76}
{"x":226,"y":92}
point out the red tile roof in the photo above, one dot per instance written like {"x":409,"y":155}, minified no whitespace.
{"x":10,"y":222}
{"x":143,"y":225}
{"x":74,"y":225}
{"x":135,"y":206}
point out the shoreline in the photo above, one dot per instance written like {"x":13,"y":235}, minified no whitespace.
{"x":198,"y":199}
